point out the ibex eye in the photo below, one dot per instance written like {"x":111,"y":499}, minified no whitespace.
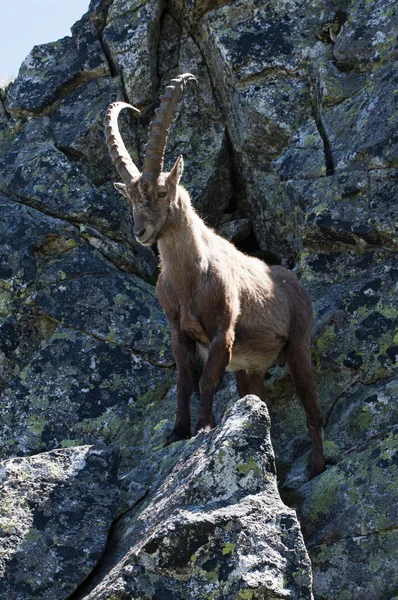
{"x":162,"y":194}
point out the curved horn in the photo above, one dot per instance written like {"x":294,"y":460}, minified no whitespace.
{"x":159,"y":127}
{"x":118,"y":151}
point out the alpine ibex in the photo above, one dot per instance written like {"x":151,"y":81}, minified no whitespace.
{"x":240,"y":313}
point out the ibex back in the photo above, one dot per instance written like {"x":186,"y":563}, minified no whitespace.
{"x":240,"y":313}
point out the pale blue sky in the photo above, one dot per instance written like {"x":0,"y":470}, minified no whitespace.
{"x":26,"y":23}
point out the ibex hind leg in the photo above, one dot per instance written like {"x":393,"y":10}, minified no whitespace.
{"x":250,"y":383}
{"x":299,"y":360}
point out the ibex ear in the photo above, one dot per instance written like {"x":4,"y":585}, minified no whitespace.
{"x":176,"y":171}
{"x":121,"y":188}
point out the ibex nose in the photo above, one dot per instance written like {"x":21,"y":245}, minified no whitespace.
{"x":139,"y":234}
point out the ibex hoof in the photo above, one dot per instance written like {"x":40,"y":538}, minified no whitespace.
{"x":205,"y":425}
{"x":317,"y":467}
{"x":176,"y":436}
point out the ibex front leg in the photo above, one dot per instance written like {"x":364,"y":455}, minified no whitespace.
{"x":184,"y":353}
{"x":220,"y":352}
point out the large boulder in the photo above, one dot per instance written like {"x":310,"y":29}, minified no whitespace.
{"x":55,"y":513}
{"x":211,"y":506}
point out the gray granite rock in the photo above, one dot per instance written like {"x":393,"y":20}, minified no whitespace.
{"x":335,"y":85}
{"x":235,"y":231}
{"x":48,"y":71}
{"x":348,"y":512}
{"x":23,"y":231}
{"x":354,"y":345}
{"x":198,"y":531}
{"x":7,"y":126}
{"x":383,"y":184}
{"x":362,"y":413}
{"x":78,"y":390}
{"x":121,"y":309}
{"x":55,"y":513}
{"x":292,"y":132}
{"x":359,"y":566}
{"x":78,"y":127}
{"x":89,"y":47}
{"x":334,"y":211}
{"x":23,"y":330}
{"x":368,"y":35}
{"x":40,"y":175}
{"x":362,"y":129}
{"x":131,"y":35}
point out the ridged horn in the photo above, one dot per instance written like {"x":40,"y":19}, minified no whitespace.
{"x":118,"y":151}
{"x":159,"y":127}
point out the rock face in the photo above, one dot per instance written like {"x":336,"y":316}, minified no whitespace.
{"x":290,"y":149}
{"x":56,"y":511}
{"x":212,"y":525}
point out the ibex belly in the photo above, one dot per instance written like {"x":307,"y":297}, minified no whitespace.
{"x":245,"y":357}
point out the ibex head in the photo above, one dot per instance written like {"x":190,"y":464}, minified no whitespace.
{"x":152,"y":192}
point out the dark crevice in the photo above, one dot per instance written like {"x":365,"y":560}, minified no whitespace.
{"x":251,"y":247}
{"x":159,"y":42}
{"x":336,"y":400}
{"x":2,"y":101}
{"x":330,"y":30}
{"x":173,"y":14}
{"x":315,"y":93}
{"x":71,"y":154}
{"x":100,"y":16}
{"x":351,"y":537}
{"x":101,"y":569}
{"x":112,"y":64}
{"x":213,"y":87}
{"x":271,"y":72}
{"x":99,"y":20}
{"x":166,"y":12}
{"x":326,"y":148}
{"x":238,"y":184}
{"x":235,"y":185}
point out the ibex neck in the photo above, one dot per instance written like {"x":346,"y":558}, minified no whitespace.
{"x":182,"y":247}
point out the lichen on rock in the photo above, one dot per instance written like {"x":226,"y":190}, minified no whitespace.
{"x":56,"y":511}
{"x":213,"y":526}
{"x":290,"y":148}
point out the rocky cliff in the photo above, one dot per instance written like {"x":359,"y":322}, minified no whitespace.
{"x":291,"y":150}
